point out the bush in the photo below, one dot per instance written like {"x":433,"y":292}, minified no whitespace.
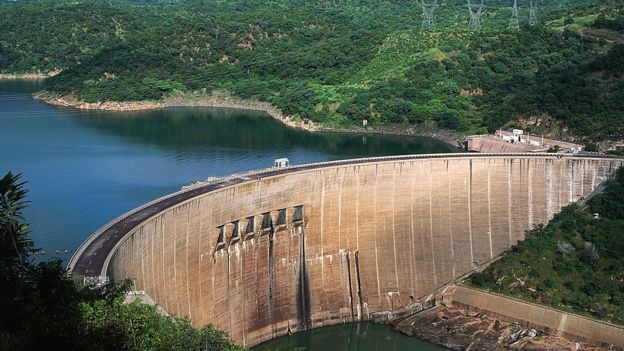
{"x":448,"y":120}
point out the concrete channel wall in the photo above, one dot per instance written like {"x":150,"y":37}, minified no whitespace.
{"x":530,"y":315}
{"x":340,"y":240}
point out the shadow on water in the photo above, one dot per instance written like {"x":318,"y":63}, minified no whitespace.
{"x":364,"y":336}
{"x":187,"y":128}
{"x":20,"y":86}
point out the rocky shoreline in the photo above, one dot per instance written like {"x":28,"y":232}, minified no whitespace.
{"x":71,"y":101}
{"x":225,"y":100}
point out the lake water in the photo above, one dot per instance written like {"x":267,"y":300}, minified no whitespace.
{"x":86,"y":167}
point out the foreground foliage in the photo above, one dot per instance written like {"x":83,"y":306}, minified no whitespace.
{"x":335,"y":62}
{"x":574,"y":264}
{"x":43,"y":308}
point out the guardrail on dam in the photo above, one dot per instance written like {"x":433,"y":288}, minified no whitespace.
{"x":282,"y":250}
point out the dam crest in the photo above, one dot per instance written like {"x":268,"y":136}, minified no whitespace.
{"x":281,"y":250}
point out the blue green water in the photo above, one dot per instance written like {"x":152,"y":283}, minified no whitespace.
{"x":86,"y":167}
{"x":365,"y":336}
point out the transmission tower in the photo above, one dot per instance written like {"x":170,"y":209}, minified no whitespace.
{"x":533,"y":13}
{"x":513,"y":22}
{"x":428,"y":13}
{"x":475,"y":11}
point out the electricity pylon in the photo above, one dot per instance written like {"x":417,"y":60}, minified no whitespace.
{"x":513,"y":22}
{"x":428,"y":14}
{"x":533,"y":13}
{"x":475,"y":11}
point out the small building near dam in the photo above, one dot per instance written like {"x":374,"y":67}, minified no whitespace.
{"x":517,"y":141}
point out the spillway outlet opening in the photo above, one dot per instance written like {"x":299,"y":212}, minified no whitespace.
{"x":221,"y":238}
{"x":298,"y":215}
{"x":281,"y":219}
{"x":250,"y":228}
{"x":267,"y":223}
{"x":235,"y":233}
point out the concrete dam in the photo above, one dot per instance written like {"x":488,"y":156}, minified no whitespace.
{"x":276,"y":251}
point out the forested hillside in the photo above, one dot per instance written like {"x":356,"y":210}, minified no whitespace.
{"x":337,"y":62}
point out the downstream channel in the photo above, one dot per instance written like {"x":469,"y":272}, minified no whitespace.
{"x":364,"y":336}
{"x":86,"y":167}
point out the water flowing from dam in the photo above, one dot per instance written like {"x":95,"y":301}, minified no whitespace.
{"x":86,"y":167}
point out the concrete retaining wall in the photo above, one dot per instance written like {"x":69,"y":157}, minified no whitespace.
{"x":530,"y":315}
{"x":373,"y":236}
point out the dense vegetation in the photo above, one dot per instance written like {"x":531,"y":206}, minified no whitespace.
{"x":336,"y":62}
{"x":616,"y":24}
{"x":574,"y":264}
{"x":43,"y":308}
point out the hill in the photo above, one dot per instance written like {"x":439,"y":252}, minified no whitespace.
{"x":335,"y":62}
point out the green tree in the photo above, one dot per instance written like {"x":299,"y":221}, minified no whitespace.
{"x":15,"y":246}
{"x":43,"y":308}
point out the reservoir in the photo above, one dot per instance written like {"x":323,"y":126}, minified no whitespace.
{"x":85,"y":168}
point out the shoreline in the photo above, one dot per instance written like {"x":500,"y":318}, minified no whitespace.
{"x":24,"y":76}
{"x":29,"y":76}
{"x":225,"y":100}
{"x":71,"y":101}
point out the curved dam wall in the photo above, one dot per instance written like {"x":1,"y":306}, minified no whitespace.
{"x":308,"y":247}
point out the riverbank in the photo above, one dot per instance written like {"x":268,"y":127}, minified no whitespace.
{"x":226,"y":100}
